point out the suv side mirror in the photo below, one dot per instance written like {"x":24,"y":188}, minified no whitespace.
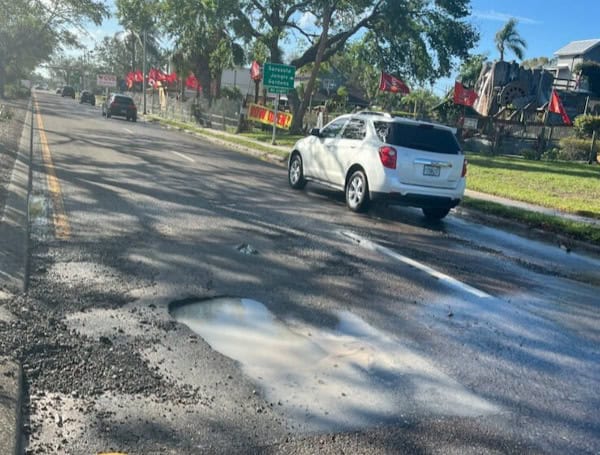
{"x":315,"y":132}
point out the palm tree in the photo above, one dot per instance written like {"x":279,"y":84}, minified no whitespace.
{"x":508,"y":38}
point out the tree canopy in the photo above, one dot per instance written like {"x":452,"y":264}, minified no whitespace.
{"x":508,"y":38}
{"x":31,"y":30}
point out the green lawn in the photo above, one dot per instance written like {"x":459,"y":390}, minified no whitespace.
{"x":571,"y":187}
{"x":281,"y":138}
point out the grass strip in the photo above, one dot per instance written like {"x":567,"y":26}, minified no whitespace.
{"x":566,"y":186}
{"x":572,"y":229}
{"x":233,"y":139}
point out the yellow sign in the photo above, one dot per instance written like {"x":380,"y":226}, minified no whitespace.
{"x":265,"y":115}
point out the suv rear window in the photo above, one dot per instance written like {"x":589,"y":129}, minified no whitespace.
{"x":123,"y":100}
{"x":422,"y":137}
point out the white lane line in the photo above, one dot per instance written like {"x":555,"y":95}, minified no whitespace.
{"x":128,"y":130}
{"x":453,"y":282}
{"x":182,"y":156}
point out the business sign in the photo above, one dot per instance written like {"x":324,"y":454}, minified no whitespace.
{"x":106,"y":80}
{"x":470,"y":123}
{"x":265,"y":115}
{"x":279,"y":78}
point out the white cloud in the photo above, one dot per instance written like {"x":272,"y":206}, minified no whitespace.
{"x":307,"y":20}
{"x":492,"y":15}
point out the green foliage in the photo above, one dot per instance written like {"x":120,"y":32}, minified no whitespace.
{"x":470,"y":70}
{"x":508,"y":38}
{"x":530,"y":154}
{"x":585,"y":125}
{"x":31,"y":30}
{"x":536,"y":62}
{"x":550,"y":154}
{"x":576,"y":149}
{"x":232,"y":93}
{"x":591,"y":71}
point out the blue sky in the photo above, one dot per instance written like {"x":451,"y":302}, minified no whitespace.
{"x":546,"y":26}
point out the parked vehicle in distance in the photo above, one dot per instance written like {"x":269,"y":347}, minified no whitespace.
{"x":59,"y":90}
{"x":374,"y":156}
{"x":120,"y":105}
{"x":87,"y":97}
{"x":67,"y":90}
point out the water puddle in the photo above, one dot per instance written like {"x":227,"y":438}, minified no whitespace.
{"x":343,"y":378}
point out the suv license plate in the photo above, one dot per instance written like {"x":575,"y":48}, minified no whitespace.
{"x":432,"y":171}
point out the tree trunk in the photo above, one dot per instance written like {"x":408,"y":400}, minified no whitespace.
{"x":203,"y":75}
{"x":2,"y":80}
{"x":299,"y":115}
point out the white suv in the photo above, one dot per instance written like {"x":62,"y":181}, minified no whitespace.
{"x":374,"y":156}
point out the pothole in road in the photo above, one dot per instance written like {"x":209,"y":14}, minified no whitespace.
{"x":347,"y":377}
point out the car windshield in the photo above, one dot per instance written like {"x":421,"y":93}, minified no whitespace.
{"x":418,"y":136}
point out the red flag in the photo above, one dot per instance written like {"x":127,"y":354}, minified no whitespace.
{"x":389,"y":83}
{"x":557,"y":107}
{"x":138,"y":76}
{"x":463,"y":95}
{"x":192,"y":82}
{"x":255,"y":71}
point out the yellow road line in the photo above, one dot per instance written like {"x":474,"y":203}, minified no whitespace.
{"x":62,"y":228}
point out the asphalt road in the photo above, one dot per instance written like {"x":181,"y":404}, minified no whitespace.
{"x":375,"y":333}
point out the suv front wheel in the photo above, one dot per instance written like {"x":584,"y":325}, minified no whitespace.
{"x":357,"y":192}
{"x":296,"y":172}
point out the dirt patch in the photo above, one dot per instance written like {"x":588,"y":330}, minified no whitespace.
{"x":12,"y":121}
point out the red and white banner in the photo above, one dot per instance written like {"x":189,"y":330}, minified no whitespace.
{"x":255,"y":71}
{"x":464,"y":96}
{"x":389,"y":83}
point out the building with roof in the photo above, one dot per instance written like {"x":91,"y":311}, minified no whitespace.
{"x":569,"y":56}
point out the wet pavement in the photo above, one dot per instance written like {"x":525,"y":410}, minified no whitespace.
{"x":344,"y":378}
{"x":405,"y":336}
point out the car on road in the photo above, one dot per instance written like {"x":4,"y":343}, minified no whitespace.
{"x":87,"y":97}
{"x":375,"y":156}
{"x":120,"y":105}
{"x":67,"y":90}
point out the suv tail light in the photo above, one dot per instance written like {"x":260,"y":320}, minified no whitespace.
{"x":464,"y":169}
{"x":387,"y":155}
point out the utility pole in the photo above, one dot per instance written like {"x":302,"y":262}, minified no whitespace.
{"x":144,"y":72}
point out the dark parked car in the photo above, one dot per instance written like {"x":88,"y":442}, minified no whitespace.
{"x":120,"y":105}
{"x":87,"y":97}
{"x":68,"y":91}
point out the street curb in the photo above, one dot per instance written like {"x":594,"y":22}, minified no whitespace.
{"x":14,"y":263}
{"x":14,"y":224}
{"x":11,"y":385}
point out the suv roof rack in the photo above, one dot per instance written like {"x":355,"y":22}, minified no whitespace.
{"x":379,"y":113}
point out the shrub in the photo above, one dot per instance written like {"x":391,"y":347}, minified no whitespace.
{"x":530,"y":154}
{"x":585,"y":125}
{"x":575,"y":149}
{"x":16,"y":91}
{"x":551,"y":154}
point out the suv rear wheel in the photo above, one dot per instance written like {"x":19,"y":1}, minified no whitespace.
{"x":357,"y":192}
{"x":435,"y":213}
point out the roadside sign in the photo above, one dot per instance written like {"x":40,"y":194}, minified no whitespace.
{"x":470,"y":123}
{"x":265,"y":115}
{"x":279,"y":78}
{"x":106,"y":80}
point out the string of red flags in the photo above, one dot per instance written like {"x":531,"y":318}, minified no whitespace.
{"x":158,"y":77}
